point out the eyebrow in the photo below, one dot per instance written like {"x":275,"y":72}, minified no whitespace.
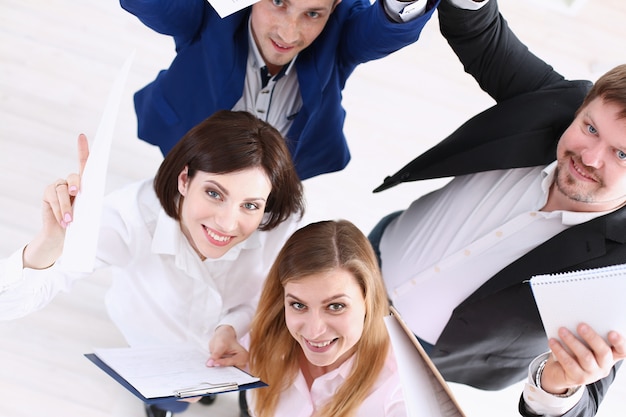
{"x":318,"y":9}
{"x":587,"y":115}
{"x":227,"y":194}
{"x":327,"y":300}
{"x":312,"y":9}
{"x":218,"y":186}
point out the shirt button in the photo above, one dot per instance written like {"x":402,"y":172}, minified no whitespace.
{"x":467,"y":252}
{"x":499,"y":233}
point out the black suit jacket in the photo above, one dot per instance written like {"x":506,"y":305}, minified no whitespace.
{"x":494,"y":334}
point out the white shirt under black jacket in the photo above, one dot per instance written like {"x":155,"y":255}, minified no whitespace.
{"x":161,"y":292}
{"x":447,"y":262}
{"x":430,"y":266}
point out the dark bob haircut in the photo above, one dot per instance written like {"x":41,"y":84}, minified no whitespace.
{"x":230,"y":141}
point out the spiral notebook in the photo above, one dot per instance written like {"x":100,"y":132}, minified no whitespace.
{"x":594,"y":296}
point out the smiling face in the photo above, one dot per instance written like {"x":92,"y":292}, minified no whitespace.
{"x":283,"y":28}
{"x":591,"y":154}
{"x":325,"y":313}
{"x":221,"y":210}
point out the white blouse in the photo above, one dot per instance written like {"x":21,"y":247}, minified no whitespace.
{"x":161,"y":291}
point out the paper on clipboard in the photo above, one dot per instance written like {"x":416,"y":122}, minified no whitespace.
{"x":227,"y":7}
{"x":594,"y":296}
{"x":425,"y":391}
{"x":175,"y":371}
{"x":81,"y":238}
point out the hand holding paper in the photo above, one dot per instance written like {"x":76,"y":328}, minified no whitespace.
{"x":584,"y":316}
{"x":57,"y":214}
{"x":78,"y":199}
{"x":581,"y":360}
{"x":82,"y":237}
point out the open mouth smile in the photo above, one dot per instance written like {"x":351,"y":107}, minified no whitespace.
{"x":320,"y":347}
{"x":581,"y":173}
{"x":217,"y":239}
{"x":280,"y":47}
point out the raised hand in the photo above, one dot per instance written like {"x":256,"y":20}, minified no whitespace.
{"x":57,"y":213}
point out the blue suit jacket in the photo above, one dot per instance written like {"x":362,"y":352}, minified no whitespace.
{"x":209,"y":69}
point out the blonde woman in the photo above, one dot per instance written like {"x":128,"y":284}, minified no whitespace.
{"x":318,"y":337}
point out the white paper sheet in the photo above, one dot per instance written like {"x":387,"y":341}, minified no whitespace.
{"x":425,"y":391}
{"x":160,"y":371}
{"x":81,"y":238}
{"x":594,"y":296}
{"x":228,"y":7}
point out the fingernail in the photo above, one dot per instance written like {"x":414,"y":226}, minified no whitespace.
{"x":67,"y":217}
{"x":210,"y":362}
{"x":63,"y":224}
{"x":73,"y":189}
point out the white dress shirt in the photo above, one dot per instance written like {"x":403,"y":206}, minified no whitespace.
{"x":161,"y":291}
{"x":492,"y":219}
{"x":385,"y":399}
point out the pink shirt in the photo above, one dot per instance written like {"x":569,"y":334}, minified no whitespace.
{"x":385,"y":399}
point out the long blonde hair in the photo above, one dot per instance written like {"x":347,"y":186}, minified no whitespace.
{"x":316,"y":248}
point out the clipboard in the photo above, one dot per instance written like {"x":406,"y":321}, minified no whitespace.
{"x":426,"y":393}
{"x":193,"y":387}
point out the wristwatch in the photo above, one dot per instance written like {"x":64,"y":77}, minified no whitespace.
{"x":542,"y":365}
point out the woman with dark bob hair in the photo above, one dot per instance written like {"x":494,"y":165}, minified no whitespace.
{"x":188,"y":250}
{"x":318,"y":337}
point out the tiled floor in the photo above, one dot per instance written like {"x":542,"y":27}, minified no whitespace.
{"x":58,"y":59}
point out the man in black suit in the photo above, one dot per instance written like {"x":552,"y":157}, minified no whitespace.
{"x":539,"y":187}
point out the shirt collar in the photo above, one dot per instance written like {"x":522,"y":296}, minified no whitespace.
{"x":168,"y":239}
{"x":548,"y":177}
{"x":325,"y":386}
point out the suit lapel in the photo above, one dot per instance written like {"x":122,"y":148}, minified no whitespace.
{"x":234,"y":77}
{"x":519,"y":132}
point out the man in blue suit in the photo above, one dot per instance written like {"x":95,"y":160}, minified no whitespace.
{"x":286,"y":61}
